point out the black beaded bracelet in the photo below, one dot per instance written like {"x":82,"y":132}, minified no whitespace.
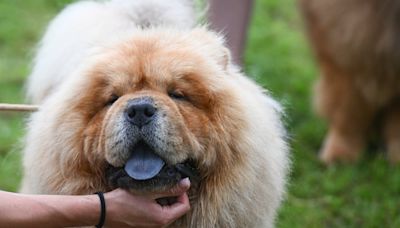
{"x":103,"y":210}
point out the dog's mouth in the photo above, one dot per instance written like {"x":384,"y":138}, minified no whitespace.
{"x":146,"y":171}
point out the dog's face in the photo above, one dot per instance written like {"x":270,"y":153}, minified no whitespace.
{"x":155,"y":112}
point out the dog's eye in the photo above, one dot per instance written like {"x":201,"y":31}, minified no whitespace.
{"x":178,"y":95}
{"x":113,"y":98}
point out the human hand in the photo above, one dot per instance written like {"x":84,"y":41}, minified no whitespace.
{"x":127,"y":210}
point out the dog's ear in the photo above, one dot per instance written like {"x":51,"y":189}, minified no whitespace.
{"x":221,"y":53}
{"x":225,"y":59}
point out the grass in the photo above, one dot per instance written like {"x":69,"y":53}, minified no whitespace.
{"x":366,"y":194}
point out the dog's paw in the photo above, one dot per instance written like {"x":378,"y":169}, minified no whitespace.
{"x":338,"y":148}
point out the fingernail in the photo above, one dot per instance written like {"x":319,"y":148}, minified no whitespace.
{"x":185,"y":182}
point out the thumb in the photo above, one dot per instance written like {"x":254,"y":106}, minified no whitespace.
{"x":177,"y":190}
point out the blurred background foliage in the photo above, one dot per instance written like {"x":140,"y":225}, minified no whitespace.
{"x":366,"y":194}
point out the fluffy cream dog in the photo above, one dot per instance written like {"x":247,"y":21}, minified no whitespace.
{"x":133,"y":95}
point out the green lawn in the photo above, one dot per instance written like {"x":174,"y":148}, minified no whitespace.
{"x":366,"y":194}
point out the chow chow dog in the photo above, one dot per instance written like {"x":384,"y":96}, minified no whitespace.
{"x":357,"y":44}
{"x":135,"y":95}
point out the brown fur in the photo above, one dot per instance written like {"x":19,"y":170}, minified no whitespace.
{"x":357,"y":44}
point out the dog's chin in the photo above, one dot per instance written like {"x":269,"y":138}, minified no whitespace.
{"x":146,"y":172}
{"x":164,"y":180}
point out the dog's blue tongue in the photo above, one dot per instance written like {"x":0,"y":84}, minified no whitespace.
{"x":143,"y":164}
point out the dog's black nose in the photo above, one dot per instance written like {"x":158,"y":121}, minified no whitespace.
{"x":140,"y":111}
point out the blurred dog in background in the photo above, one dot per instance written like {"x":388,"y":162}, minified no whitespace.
{"x":357,"y":45}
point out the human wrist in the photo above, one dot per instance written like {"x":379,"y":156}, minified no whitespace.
{"x":110,"y":210}
{"x":115,"y":213}
{"x":89,"y":214}
{"x":103,"y":212}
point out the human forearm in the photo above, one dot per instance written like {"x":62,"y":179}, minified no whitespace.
{"x":18,"y":210}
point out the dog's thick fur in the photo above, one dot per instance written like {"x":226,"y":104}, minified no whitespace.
{"x":357,"y":44}
{"x":97,"y":57}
